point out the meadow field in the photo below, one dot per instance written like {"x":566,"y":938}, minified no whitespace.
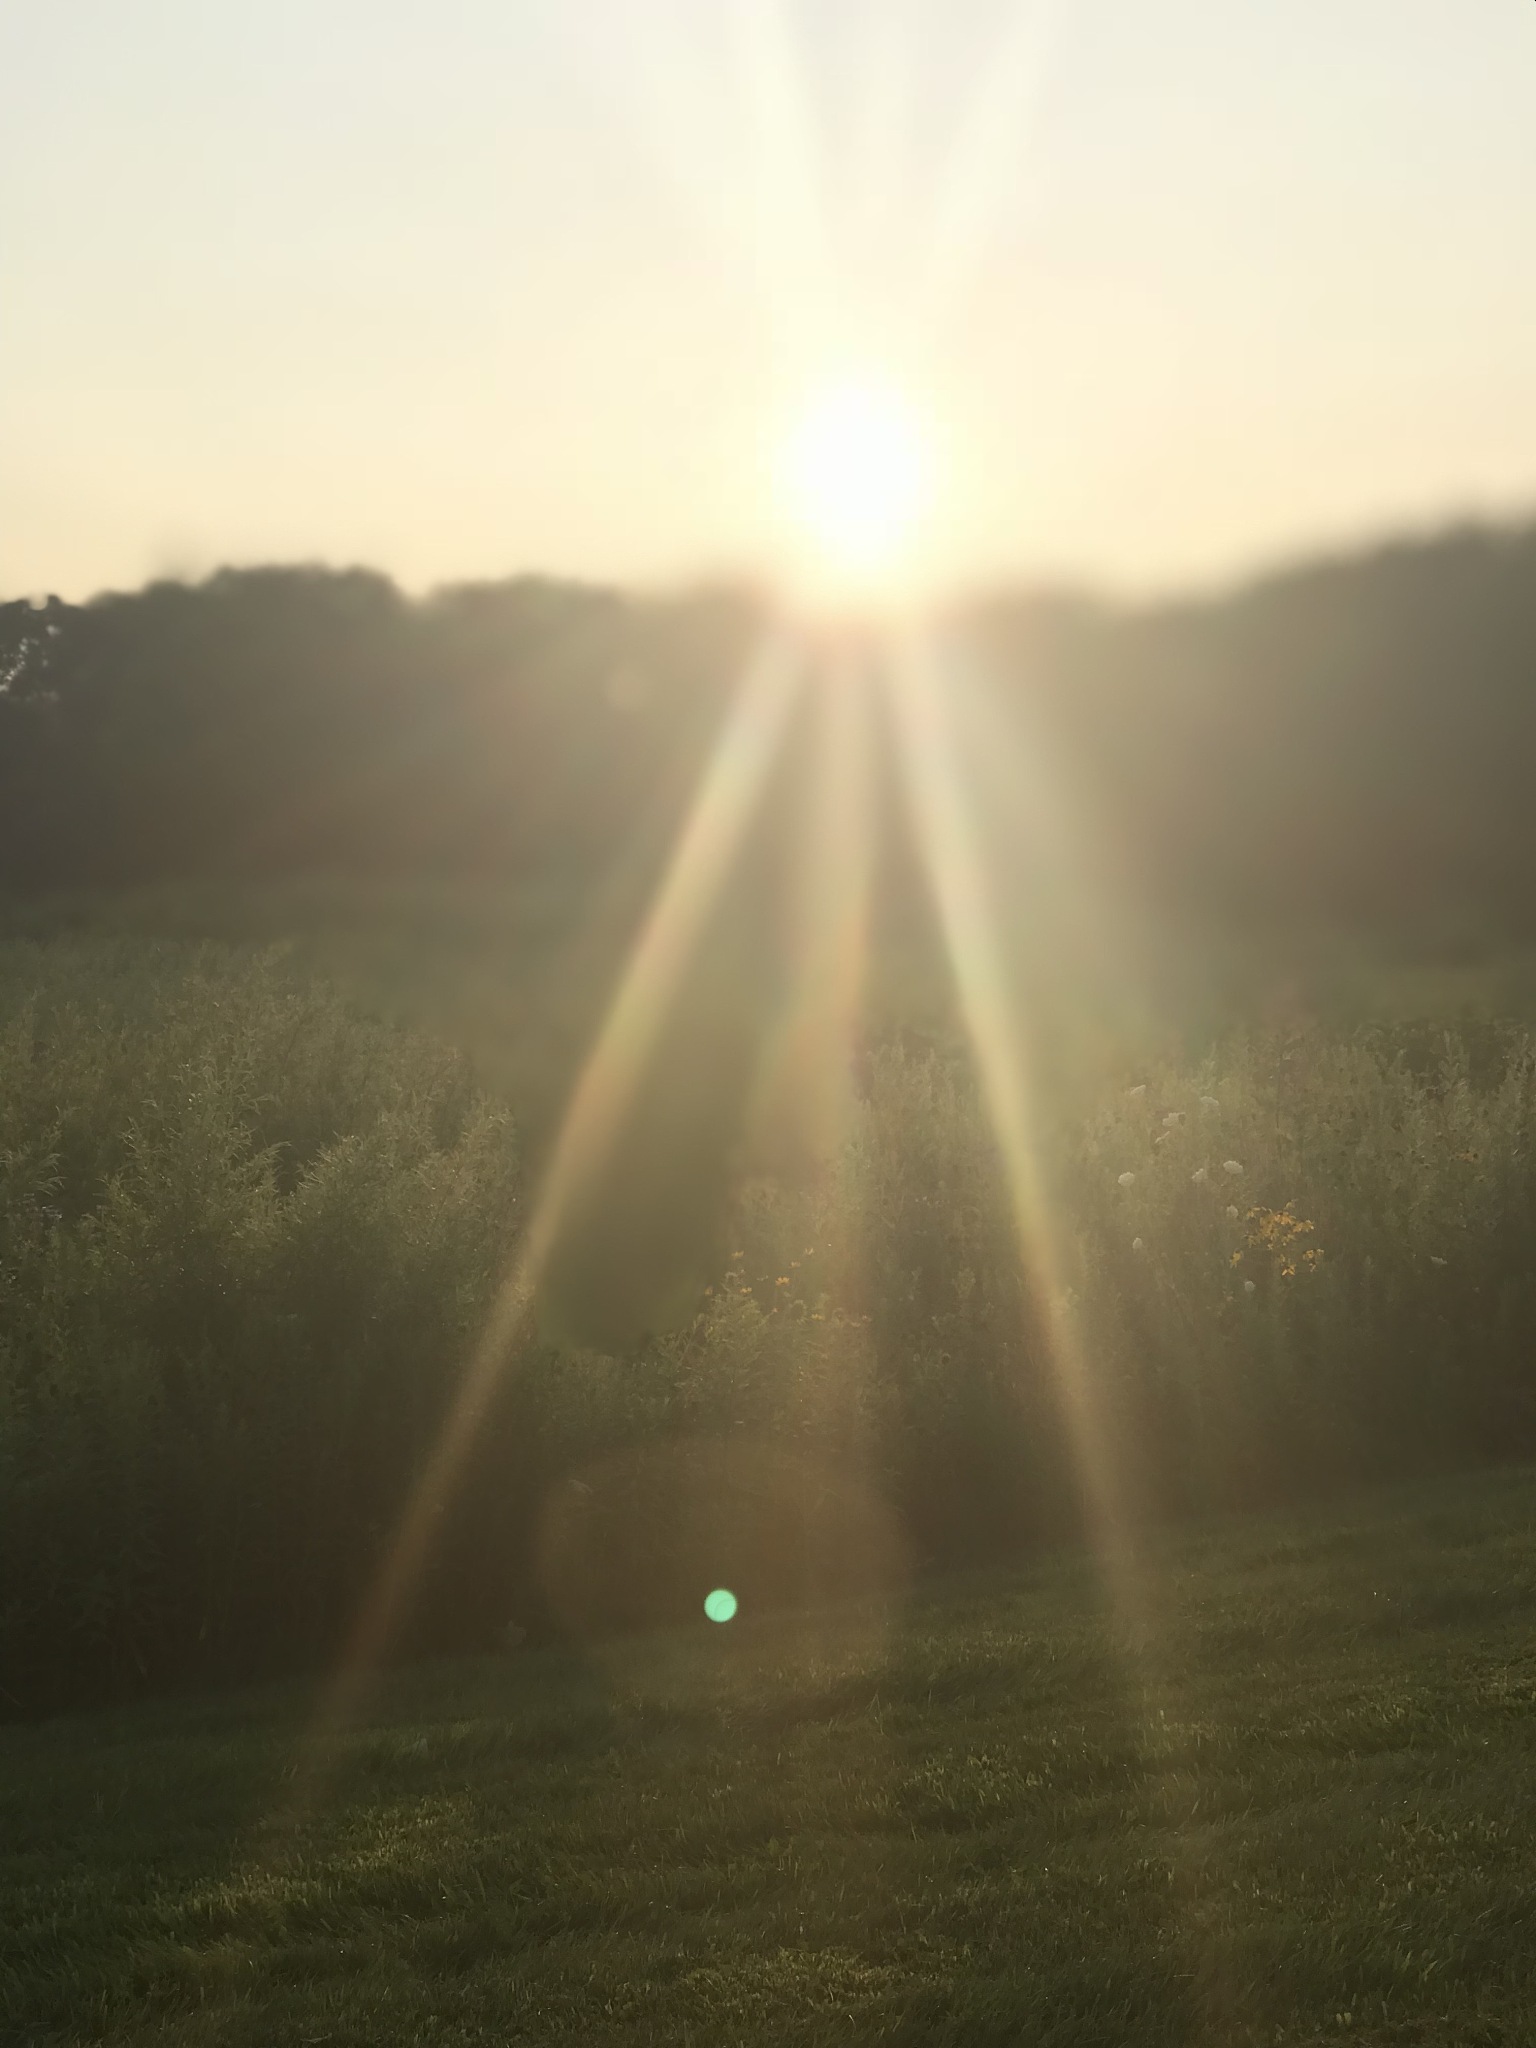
{"x":767,"y":1026}
{"x":1238,"y":1751}
{"x":252,"y":1234}
{"x":1248,"y":1762}
{"x":1283,"y":1797}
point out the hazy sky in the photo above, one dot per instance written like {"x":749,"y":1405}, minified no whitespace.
{"x":464,"y":287}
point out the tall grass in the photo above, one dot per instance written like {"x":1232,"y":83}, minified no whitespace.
{"x":244,"y":1240}
{"x":247,"y":1238}
{"x":1323,"y":1267}
{"x":1309,"y":1261}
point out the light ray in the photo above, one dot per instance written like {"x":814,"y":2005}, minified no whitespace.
{"x":942,"y":799}
{"x":941,"y":805}
{"x":804,"y":1105}
{"x":792,"y":240}
{"x":821,"y":1042}
{"x":1076,"y":921}
{"x":724,"y":118}
{"x":664,"y":89}
{"x":992,"y":140}
{"x":805,"y":1078}
{"x":726,"y":803}
{"x":878,"y":129}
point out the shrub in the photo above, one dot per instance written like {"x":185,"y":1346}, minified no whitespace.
{"x":1309,"y":1261}
{"x":248,"y":1239}
{"x":245,"y":1240}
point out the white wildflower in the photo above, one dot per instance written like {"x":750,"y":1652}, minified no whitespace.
{"x":1232,"y":1166}
{"x":1247,"y":1287}
{"x":1138,"y":1244}
{"x":1209,"y":1102}
{"x":1231,"y":1212}
{"x":1139,"y":1089}
{"x":1200,"y":1176}
{"x":1434,"y":1261}
{"x":1174,"y":1118}
{"x":1126,"y":1179}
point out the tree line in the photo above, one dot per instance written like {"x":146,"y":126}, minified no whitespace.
{"x":1351,"y":740}
{"x":249,"y":1239}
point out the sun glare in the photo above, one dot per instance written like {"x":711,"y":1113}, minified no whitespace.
{"x":856,"y":479}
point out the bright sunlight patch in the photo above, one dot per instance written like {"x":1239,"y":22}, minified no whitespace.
{"x":855,"y":478}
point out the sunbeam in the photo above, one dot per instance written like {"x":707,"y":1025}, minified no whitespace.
{"x":787,"y":180}
{"x":940,"y":797}
{"x":805,"y":1078}
{"x":722,"y":812}
{"x":976,"y":180}
{"x":943,"y":782}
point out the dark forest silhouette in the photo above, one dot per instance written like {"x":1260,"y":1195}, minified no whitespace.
{"x":1351,"y":739}
{"x":247,"y":1237}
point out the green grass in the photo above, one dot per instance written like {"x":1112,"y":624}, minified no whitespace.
{"x":1303,"y":1812}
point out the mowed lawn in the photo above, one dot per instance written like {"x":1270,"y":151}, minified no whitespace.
{"x":1297,"y":1804}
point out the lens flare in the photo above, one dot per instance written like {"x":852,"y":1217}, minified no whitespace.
{"x":804,"y":1088}
{"x":705,"y":854}
{"x":721,"y":1604}
{"x":856,"y":479}
{"x":940,"y":799}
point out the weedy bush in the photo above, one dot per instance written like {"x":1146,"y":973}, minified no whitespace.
{"x":1311,"y":1261}
{"x":245,"y":1239}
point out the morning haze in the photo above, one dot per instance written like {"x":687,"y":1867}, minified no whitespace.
{"x":460,"y":290}
{"x":767,"y":1024}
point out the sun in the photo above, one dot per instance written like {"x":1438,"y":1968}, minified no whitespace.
{"x":856,"y":479}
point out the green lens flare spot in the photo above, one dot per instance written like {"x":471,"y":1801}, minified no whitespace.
{"x":721,"y":1604}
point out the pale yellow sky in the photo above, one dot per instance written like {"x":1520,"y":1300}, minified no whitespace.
{"x":479,"y":286}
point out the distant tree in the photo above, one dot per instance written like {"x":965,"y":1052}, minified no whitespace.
{"x":1351,"y":740}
